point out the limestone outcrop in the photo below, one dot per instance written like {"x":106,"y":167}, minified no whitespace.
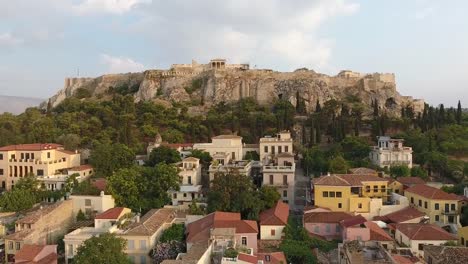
{"x":197,"y":84}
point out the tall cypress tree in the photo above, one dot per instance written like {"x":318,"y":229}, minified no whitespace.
{"x":318,"y":108}
{"x":376,"y":109}
{"x":459,"y":113}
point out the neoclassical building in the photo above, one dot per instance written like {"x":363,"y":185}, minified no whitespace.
{"x":391,"y":152}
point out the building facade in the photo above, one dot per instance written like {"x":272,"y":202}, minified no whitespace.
{"x":190,"y":182}
{"x":391,"y":152}
{"x":18,"y":161}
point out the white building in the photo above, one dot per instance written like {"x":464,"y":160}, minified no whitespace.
{"x":190,"y":182}
{"x":279,"y":167}
{"x":58,"y":181}
{"x":391,"y":152}
{"x":228,"y":145}
{"x":92,"y":204}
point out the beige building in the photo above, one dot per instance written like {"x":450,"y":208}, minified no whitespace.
{"x":190,"y":182}
{"x":43,"y":226}
{"x":390,"y":152}
{"x":416,"y":236}
{"x":273,"y":221}
{"x":279,"y":167}
{"x":92,"y":204}
{"x":18,"y":161}
{"x":229,"y":146}
{"x":439,"y":206}
{"x":141,"y":234}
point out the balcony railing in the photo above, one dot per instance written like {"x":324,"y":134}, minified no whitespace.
{"x":279,"y":168}
{"x":36,"y":161}
{"x":450,"y":212}
{"x":402,"y":162}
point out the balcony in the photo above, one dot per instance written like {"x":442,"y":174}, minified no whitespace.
{"x":279,"y":168}
{"x":396,"y":162}
{"x":450,"y":212}
{"x":277,"y":184}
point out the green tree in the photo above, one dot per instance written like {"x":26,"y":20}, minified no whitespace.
{"x":269,"y":195}
{"x":400,"y":171}
{"x":195,"y":209}
{"x":203,"y":156}
{"x":252,"y":155}
{"x":355,"y":149}
{"x":69,"y":141}
{"x":175,"y":232}
{"x":17,"y":200}
{"x":80,"y":216}
{"x":125,"y":186}
{"x":163,"y":154}
{"x":106,"y":249}
{"x":419,"y":172}
{"x":339,"y":165}
{"x":108,"y":158}
{"x":459,"y":113}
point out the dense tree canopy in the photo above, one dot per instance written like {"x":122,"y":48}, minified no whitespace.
{"x":106,"y":249}
{"x":163,"y":154}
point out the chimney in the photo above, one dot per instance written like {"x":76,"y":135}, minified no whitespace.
{"x":138,"y":217}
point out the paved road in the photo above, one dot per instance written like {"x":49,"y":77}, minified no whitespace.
{"x":302,"y":186}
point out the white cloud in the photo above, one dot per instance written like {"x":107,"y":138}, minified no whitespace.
{"x":108,"y":6}
{"x":120,"y":64}
{"x":7,"y":39}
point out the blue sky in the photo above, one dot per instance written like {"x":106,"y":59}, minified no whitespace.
{"x":424,"y":42}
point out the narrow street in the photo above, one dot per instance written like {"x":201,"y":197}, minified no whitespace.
{"x":302,"y":186}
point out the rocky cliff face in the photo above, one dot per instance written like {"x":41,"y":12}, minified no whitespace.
{"x":208,"y":87}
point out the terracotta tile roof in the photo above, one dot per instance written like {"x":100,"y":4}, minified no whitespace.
{"x":274,"y":258}
{"x":29,"y":254}
{"x":99,"y":183}
{"x":34,"y":216}
{"x":151,"y":222}
{"x":443,"y":254}
{"x":377,"y":233}
{"x":20,"y":235}
{"x":82,"y":167}
{"x":277,"y":215}
{"x":199,"y":230}
{"x":431,"y":192}
{"x":31,"y":147}
{"x":112,"y":213}
{"x":226,"y":137}
{"x":247,"y":258}
{"x":346,"y":179}
{"x":325,"y":217}
{"x":192,"y":256}
{"x":363,"y":170}
{"x":424,"y":232}
{"x":352,"y":221}
{"x":410,"y":180}
{"x":402,"y":215}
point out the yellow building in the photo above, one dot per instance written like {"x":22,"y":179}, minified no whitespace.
{"x":439,"y":206}
{"x":348,"y":192}
{"x":18,"y":161}
{"x":463,"y":236}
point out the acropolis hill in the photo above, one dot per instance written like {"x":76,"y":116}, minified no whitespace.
{"x":202,"y":85}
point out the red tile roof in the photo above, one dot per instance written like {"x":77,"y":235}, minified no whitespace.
{"x":377,"y":233}
{"x":363,"y":170}
{"x":31,"y":147}
{"x":402,"y":215}
{"x":424,"y":232}
{"x":247,"y":258}
{"x":29,"y":254}
{"x":346,"y":179}
{"x":325,"y":217}
{"x":277,"y":215}
{"x":112,"y":213}
{"x":200,"y":230}
{"x":352,"y":221}
{"x":431,"y":192}
{"x":99,"y":183}
{"x":402,"y":259}
{"x":410,"y":180}
{"x":274,"y":258}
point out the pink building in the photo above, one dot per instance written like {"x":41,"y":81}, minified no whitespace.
{"x":324,"y":224}
{"x":358,"y":228}
{"x":225,"y":230}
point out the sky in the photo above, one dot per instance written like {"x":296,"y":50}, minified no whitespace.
{"x":424,"y":42}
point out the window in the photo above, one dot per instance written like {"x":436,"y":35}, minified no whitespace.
{"x":130,"y":244}
{"x":285,"y":193}
{"x":10,"y":245}
{"x":316,"y":229}
{"x":359,"y":205}
{"x":70,"y":250}
{"x":174,"y":196}
{"x":268,"y":258}
{"x":338,"y":194}
{"x":339,"y":205}
{"x":142,"y":244}
{"x":1,"y":156}
{"x":272,"y":232}
{"x":87,"y":202}
{"x":40,"y":172}
{"x":337,"y":228}
{"x":272,"y":149}
{"x":1,"y":171}
{"x":367,"y":188}
{"x":328,"y":228}
{"x":332,"y":194}
{"x":185,"y":195}
{"x":436,"y":206}
{"x":22,"y":156}
{"x":286,"y":148}
{"x":265,"y":149}
{"x":325,"y":194}
{"x":17,"y":246}
{"x":244,"y":241}
{"x":285,"y":179}
{"x":233,"y":155}
{"x":419,"y":202}
{"x":142,"y":259}
{"x":271,"y":179}
{"x":452,"y":207}
{"x":280,"y":149}
{"x":425,"y":204}
{"x":189,"y":179}
{"x":48,"y":155}
{"x":420,"y":246}
{"x":437,"y":218}
{"x":412,"y":200}
{"x":376,"y":188}
{"x":382,"y":188}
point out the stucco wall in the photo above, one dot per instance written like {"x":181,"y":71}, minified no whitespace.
{"x":265,"y":232}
